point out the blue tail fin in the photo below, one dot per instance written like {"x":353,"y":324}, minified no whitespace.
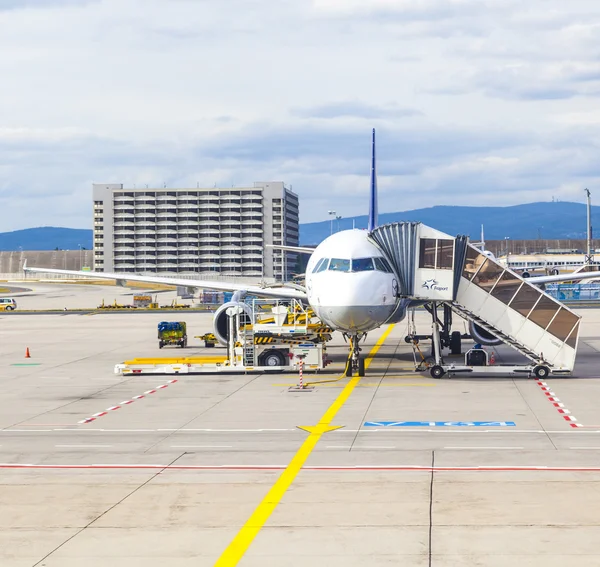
{"x":373,"y":195}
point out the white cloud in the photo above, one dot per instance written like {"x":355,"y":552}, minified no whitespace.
{"x":474,"y":101}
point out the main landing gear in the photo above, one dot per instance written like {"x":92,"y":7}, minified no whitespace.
{"x":356,"y":363}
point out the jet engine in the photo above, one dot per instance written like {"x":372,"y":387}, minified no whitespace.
{"x":482,"y":336}
{"x":221,"y":323}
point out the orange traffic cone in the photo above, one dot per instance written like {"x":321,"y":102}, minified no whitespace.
{"x":27,"y":355}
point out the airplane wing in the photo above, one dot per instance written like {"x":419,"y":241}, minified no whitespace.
{"x":282,"y":292}
{"x":573,"y":276}
{"x":298,"y":249}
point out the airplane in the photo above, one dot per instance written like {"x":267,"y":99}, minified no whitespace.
{"x":349,"y":285}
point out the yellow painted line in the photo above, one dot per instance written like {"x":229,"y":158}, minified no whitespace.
{"x":244,"y":538}
{"x":362,"y":385}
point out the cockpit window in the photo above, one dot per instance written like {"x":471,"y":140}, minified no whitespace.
{"x":362,"y":264}
{"x":339,"y":265}
{"x":318,"y":265}
{"x":382,"y":265}
{"x":321,"y":266}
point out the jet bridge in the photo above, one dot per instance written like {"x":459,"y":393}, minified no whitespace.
{"x":433,"y":267}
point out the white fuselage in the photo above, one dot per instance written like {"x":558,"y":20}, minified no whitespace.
{"x":349,"y":284}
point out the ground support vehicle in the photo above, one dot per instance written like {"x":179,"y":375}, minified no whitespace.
{"x":288,"y":346}
{"x":172,"y":333}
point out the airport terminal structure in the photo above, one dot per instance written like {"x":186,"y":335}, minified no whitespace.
{"x":216,"y":231}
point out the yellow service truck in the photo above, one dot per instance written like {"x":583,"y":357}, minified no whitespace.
{"x":172,"y":333}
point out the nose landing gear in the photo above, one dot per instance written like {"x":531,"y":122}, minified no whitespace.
{"x":356,"y":363}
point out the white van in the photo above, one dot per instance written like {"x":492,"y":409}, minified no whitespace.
{"x":7,"y":304}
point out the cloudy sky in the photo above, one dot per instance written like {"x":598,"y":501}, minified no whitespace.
{"x":474,"y":101}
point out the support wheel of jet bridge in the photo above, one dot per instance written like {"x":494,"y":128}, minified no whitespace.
{"x":437,"y":371}
{"x":541,"y":372}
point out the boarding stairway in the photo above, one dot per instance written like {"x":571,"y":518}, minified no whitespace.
{"x":466,"y":314}
{"x":433,"y":267}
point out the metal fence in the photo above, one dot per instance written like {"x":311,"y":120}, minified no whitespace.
{"x":574,"y":292}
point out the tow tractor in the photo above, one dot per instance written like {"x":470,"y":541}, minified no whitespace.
{"x":274,"y":335}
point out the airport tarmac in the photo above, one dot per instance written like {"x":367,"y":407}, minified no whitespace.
{"x":214,"y":470}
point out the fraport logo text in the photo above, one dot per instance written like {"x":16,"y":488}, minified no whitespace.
{"x":433,"y":285}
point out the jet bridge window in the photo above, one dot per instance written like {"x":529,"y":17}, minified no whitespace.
{"x":445,"y":254}
{"x":339,"y":265}
{"x":563,"y":324}
{"x":473,"y":262}
{"x":362,"y":264}
{"x":543,"y":312}
{"x":436,"y":253}
{"x":525,"y":299}
{"x":488,"y":275}
{"x":506,"y":287}
{"x":427,"y":253}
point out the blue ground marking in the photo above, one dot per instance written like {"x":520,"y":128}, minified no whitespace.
{"x":439,"y":424}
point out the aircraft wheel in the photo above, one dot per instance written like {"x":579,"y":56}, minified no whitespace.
{"x":455,"y":343}
{"x":361,"y":366}
{"x":541,"y":372}
{"x":437,"y":371}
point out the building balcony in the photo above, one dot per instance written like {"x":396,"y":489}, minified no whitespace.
{"x":252,"y":214}
{"x":146,"y":258}
{"x":188,"y":240}
{"x":128,"y":223}
{"x":209,"y":264}
{"x":145,"y":206}
{"x":187,"y":266}
{"x":253,"y":230}
{"x":208,"y":231}
{"x":187,"y":230}
{"x":144,"y":248}
{"x":188,"y":256}
{"x":145,"y":232}
{"x":150,"y":225}
{"x":166,"y":226}
{"x":146,"y":240}
{"x":123,"y":199}
{"x":210,"y":255}
{"x":162,"y":242}
{"x":187,"y":248}
{"x":210,"y":249}
{"x":187,"y":223}
{"x":209,"y":213}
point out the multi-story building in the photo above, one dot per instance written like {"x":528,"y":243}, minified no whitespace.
{"x":208,"y":232}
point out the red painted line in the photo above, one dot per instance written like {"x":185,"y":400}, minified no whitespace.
{"x":560,"y":407}
{"x":124,"y":403}
{"x":391,"y":468}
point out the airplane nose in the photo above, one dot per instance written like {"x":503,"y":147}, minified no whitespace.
{"x":351,"y":318}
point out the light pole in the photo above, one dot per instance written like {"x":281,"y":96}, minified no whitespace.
{"x":80,"y":260}
{"x":589,"y":257}
{"x":506,"y":239}
{"x":337,"y":218}
{"x":331,"y":214}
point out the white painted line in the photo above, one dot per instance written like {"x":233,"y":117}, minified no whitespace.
{"x":484,"y":448}
{"x":374,"y":447}
{"x":84,"y":446}
{"x":201,"y":446}
{"x":338,"y":446}
{"x":594,"y":448}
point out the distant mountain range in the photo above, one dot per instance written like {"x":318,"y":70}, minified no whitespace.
{"x":558,"y":220}
{"x":46,"y":238}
